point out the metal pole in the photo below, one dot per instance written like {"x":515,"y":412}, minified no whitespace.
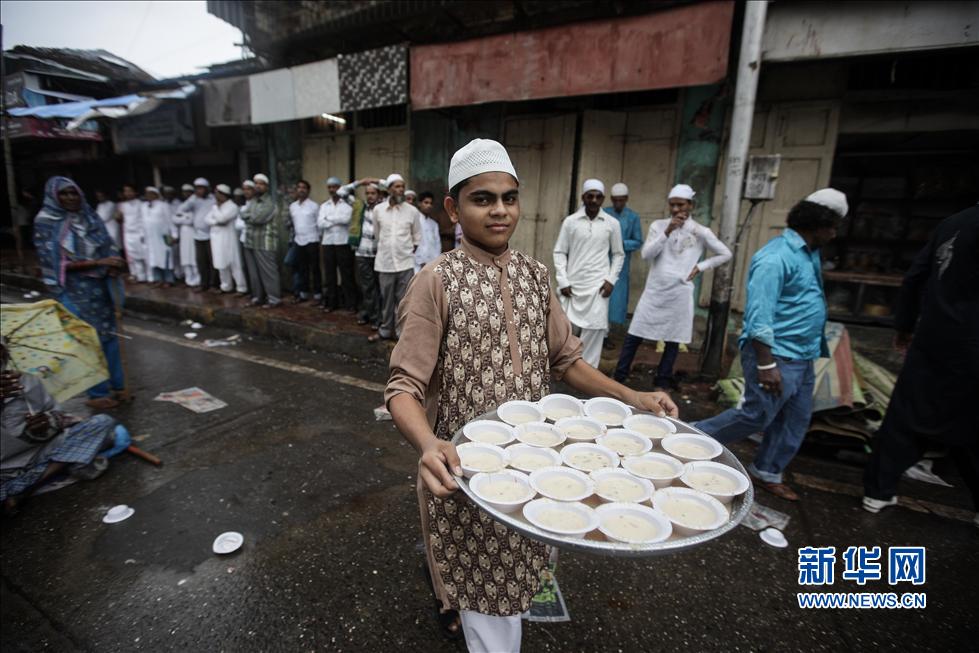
{"x":8,"y":159}
{"x":749,"y":69}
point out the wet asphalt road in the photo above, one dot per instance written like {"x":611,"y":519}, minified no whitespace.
{"x":324,"y":497}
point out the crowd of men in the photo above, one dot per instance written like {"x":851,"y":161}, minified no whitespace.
{"x":346,"y":254}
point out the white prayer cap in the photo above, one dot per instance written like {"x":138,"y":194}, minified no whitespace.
{"x":832,"y":199}
{"x":200,"y":181}
{"x":260,"y":178}
{"x":393,"y":177}
{"x":374,"y":186}
{"x":411,"y":193}
{"x":248,"y":183}
{"x":681,"y":192}
{"x":189,"y":187}
{"x":620,"y":190}
{"x":152,"y":189}
{"x":223,"y":189}
{"x":238,"y":192}
{"x":334,"y":181}
{"x":593,"y":184}
{"x":476,"y":157}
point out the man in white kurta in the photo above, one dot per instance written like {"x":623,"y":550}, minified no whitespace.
{"x":133,"y":238}
{"x":170,"y":197}
{"x":159,"y":229}
{"x":184,"y":219}
{"x":673,"y":248}
{"x":431,"y":244}
{"x":224,"y":241}
{"x":588,"y":257}
{"x":106,"y":210}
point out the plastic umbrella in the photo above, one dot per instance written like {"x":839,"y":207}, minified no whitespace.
{"x":46,"y":340}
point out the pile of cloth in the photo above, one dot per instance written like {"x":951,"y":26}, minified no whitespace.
{"x":849,"y":398}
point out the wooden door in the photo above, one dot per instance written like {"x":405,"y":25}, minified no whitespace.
{"x":324,"y":157}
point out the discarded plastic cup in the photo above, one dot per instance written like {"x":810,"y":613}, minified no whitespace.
{"x":117,"y":514}
{"x":774,"y":537}
{"x":196,"y":325}
{"x":190,"y":335}
{"x":228,"y":542}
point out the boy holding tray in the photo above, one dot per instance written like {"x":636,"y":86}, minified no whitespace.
{"x":482,"y":326}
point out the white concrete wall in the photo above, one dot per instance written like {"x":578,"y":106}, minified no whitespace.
{"x":820,"y":30}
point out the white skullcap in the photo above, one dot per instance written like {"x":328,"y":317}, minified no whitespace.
{"x":620,"y":190}
{"x":248,"y":183}
{"x":260,"y":178}
{"x":832,"y":199}
{"x":476,"y":157}
{"x":200,"y":181}
{"x":238,"y":192}
{"x":593,"y":184}
{"x":374,"y":186}
{"x":223,"y":189}
{"x":393,"y":177}
{"x":410,"y":192}
{"x":681,"y":192}
{"x":187,"y":187}
{"x":334,"y":181}
{"x":152,"y":189}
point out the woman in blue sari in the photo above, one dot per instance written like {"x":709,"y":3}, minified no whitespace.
{"x":77,"y":258}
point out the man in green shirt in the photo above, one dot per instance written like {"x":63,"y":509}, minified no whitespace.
{"x":261,"y":244}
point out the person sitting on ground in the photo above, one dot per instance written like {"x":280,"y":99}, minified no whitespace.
{"x":39,"y":442}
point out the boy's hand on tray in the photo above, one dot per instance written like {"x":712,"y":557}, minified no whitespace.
{"x":657,"y":402}
{"x":438,"y":462}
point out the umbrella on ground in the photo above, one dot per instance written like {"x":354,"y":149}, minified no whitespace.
{"x":46,"y":340}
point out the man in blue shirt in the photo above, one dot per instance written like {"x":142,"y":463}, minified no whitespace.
{"x":618,"y":303}
{"x":782,"y":335}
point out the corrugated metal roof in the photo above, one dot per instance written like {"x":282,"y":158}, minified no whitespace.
{"x":97,"y":65}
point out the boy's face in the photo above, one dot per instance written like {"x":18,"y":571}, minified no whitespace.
{"x":488,"y":210}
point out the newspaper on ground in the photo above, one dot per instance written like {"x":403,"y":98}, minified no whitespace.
{"x":193,"y":399}
{"x":548,"y":604}
{"x":381,"y":414}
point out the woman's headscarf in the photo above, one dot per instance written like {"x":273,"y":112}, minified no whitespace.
{"x":61,"y":236}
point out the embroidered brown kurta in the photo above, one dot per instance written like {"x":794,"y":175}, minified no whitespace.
{"x":478,"y":330}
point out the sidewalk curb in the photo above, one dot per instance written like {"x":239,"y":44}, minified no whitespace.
{"x":252,"y":321}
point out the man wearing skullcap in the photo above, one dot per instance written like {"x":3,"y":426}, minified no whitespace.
{"x":489,"y":303}
{"x":588,"y":257}
{"x":184,"y":221}
{"x":197,"y":209}
{"x":782,"y":335}
{"x":665,"y":310}
{"x":262,"y":243}
{"x":224,"y":241}
{"x":174,"y":202}
{"x":160,"y":232}
{"x":618,"y":302}
{"x":335,"y":214}
{"x":398,"y":232}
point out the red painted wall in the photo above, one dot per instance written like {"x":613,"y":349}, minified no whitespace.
{"x":686,"y":46}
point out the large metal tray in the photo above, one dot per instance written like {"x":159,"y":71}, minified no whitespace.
{"x":595,"y":542}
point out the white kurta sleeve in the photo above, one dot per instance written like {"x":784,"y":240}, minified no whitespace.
{"x":323,"y":221}
{"x":721,"y":253}
{"x":561,"y":256}
{"x":618,"y":253}
{"x":655,"y":240}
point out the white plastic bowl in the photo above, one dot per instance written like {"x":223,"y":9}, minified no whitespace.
{"x":594,"y":427}
{"x":645,"y":487}
{"x":539,"y":481}
{"x":610,"y":412}
{"x":540,"y":456}
{"x":663,"y":500}
{"x":526,"y":433}
{"x":693,"y":478}
{"x":679,"y":446}
{"x":489,"y":449}
{"x":519,"y":412}
{"x":609,"y":512}
{"x":537,"y":510}
{"x":479,"y":482}
{"x":625,"y":442}
{"x":568,"y":453}
{"x":489,"y":432}
{"x":635,"y":464}
{"x":558,"y":406}
{"x":657,"y":427}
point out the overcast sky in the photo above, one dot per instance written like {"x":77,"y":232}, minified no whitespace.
{"x":164,"y":38}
